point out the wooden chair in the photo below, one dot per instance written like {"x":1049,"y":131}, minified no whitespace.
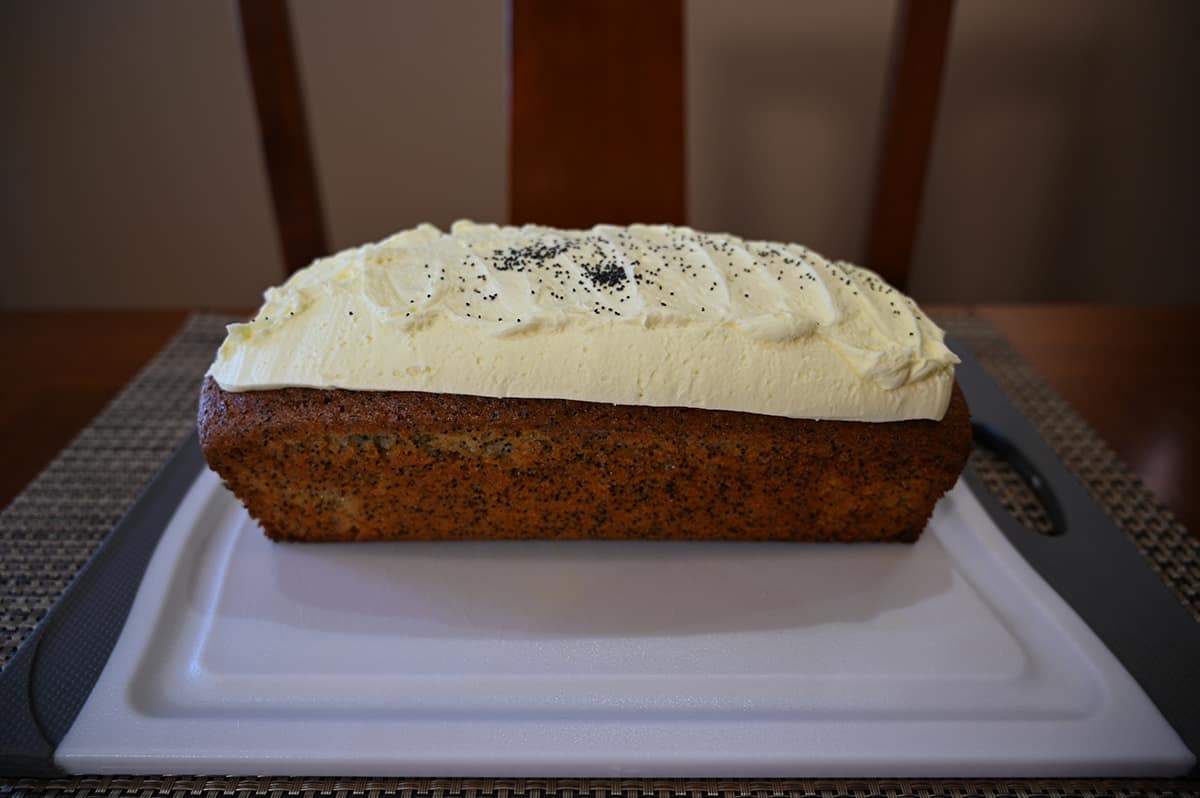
{"x":597,"y":120}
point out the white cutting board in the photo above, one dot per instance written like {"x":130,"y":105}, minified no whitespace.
{"x":949,"y":657}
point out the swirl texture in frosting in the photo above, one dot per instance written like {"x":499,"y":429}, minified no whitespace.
{"x":654,"y":315}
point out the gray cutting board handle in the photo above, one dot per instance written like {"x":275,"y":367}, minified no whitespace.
{"x":1095,"y":567}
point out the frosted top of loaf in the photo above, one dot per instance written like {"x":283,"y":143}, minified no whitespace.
{"x":654,"y":315}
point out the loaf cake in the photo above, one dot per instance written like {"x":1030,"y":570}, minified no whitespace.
{"x":648,"y":382}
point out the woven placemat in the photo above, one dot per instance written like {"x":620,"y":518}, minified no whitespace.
{"x":190,"y":787}
{"x":53,"y":527}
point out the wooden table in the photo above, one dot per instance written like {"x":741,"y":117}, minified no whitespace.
{"x":1127,"y":370}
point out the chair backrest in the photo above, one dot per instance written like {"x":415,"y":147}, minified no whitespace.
{"x":915,"y":81}
{"x":283,"y":130}
{"x":597,"y":112}
{"x":597,"y":120}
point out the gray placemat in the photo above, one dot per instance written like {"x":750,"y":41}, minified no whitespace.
{"x":56,"y":523}
{"x":198,"y":787}
{"x":1167,"y":545}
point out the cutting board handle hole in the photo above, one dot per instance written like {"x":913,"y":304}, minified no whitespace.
{"x":1015,"y":482}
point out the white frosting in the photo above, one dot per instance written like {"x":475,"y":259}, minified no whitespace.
{"x":650,"y":315}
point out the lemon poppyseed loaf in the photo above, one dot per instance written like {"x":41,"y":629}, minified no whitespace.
{"x":643,"y":382}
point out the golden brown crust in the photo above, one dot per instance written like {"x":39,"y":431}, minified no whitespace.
{"x":315,"y":464}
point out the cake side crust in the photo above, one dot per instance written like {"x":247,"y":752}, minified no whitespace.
{"x":336,"y":465}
